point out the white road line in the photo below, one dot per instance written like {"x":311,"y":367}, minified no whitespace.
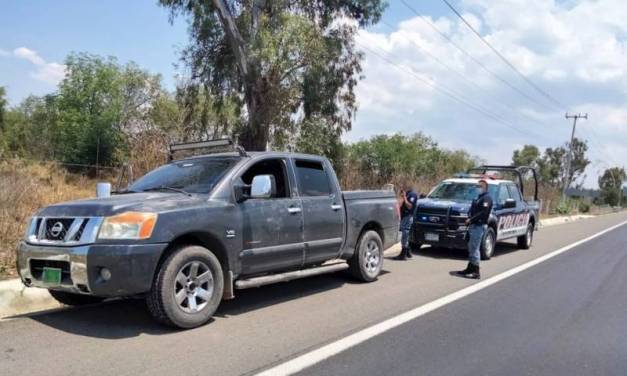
{"x":309,"y":359}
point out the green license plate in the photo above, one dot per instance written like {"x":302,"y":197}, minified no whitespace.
{"x":52,"y":276}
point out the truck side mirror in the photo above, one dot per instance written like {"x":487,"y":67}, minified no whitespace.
{"x":263,"y":186}
{"x":510,"y":203}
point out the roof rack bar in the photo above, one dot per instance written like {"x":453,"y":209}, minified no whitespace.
{"x":519,"y":170}
{"x":220,"y":142}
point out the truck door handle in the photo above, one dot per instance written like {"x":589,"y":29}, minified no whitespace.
{"x":294,"y":210}
{"x":336,"y":207}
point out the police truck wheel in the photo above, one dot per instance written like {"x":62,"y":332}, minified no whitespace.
{"x":72,"y":299}
{"x":415,"y":247}
{"x":187,"y":288}
{"x":488,"y":244}
{"x":524,"y":242}
{"x":365,"y":264}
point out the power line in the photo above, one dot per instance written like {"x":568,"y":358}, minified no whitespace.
{"x":463,"y":76}
{"x":504,"y":59}
{"x":598,"y":147}
{"x":475,"y":60}
{"x":448,"y":92}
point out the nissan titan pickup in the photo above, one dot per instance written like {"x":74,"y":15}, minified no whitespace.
{"x":193,"y":231}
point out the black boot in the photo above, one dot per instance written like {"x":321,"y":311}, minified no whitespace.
{"x":472,"y":272}
{"x":462,"y":273}
{"x":402,"y":255}
{"x":408,"y":253}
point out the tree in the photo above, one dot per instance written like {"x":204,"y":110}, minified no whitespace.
{"x":29,"y":129}
{"x":398,"y":159}
{"x":527,"y":156}
{"x":552,"y":164}
{"x":288,"y":63}
{"x":102,"y":105}
{"x":3,"y":105}
{"x":611,"y":185}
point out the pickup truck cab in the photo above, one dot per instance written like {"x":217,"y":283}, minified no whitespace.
{"x":440,"y":217}
{"x":189,"y":233}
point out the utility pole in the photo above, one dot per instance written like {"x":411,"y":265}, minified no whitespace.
{"x":570,"y":150}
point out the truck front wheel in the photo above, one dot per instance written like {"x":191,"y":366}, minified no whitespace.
{"x":72,"y":299}
{"x":187,"y":288}
{"x":366,"y":262}
{"x":488,"y":244}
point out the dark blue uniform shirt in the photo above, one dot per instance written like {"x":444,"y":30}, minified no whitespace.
{"x":480,"y":209}
{"x":412,"y":197}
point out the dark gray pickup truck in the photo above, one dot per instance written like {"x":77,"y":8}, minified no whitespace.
{"x":189,"y":233}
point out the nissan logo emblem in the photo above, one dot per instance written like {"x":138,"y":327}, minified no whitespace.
{"x":56,"y":229}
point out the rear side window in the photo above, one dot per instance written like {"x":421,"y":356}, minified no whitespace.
{"x":514,"y":192}
{"x":503,"y":194}
{"x":312,"y":179}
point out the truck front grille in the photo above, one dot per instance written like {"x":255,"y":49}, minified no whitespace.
{"x":62,"y":230}
{"x":57,"y":228}
{"x":432,"y":211}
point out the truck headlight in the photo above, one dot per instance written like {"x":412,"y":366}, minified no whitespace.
{"x":29,"y":228}
{"x":129,"y":225}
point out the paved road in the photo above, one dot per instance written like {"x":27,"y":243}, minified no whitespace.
{"x":261,"y":327}
{"x":567,"y":316}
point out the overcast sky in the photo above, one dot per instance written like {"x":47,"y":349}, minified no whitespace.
{"x":414,"y":79}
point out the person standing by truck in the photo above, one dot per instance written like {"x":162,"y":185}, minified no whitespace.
{"x":477,"y":223}
{"x":407,"y":199}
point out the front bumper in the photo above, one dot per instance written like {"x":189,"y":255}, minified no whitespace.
{"x":132,"y":267}
{"x":446,"y":238}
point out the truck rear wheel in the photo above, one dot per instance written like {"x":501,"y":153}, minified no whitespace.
{"x":72,"y":299}
{"x":524,"y":242}
{"x":366,"y":262}
{"x":488,"y":244}
{"x":187,"y":288}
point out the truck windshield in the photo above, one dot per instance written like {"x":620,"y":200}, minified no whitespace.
{"x":192,"y":175}
{"x":457,"y":191}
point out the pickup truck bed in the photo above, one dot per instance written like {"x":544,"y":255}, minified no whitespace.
{"x":374,"y":205}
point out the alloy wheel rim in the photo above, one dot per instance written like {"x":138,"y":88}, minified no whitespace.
{"x":372,"y":258}
{"x":489,"y":245}
{"x":193,"y":287}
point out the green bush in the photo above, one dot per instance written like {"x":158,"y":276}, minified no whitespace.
{"x":563,"y":207}
{"x":584,"y":207}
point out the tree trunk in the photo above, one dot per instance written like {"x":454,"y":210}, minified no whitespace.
{"x":254,"y":137}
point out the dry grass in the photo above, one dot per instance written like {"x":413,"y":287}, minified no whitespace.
{"x":26,"y":187}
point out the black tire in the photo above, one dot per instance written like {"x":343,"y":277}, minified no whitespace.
{"x":414,"y":243}
{"x":488,"y":243}
{"x":414,"y":247}
{"x":524,"y":241}
{"x":72,"y":299}
{"x":365,"y":264}
{"x":161,"y":300}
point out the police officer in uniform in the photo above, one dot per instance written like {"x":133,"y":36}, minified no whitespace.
{"x":477,"y":223}
{"x":407,"y":200}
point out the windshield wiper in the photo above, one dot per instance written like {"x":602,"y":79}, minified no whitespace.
{"x":166,"y":188}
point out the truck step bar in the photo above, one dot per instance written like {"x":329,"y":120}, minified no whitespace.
{"x":329,"y":267}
